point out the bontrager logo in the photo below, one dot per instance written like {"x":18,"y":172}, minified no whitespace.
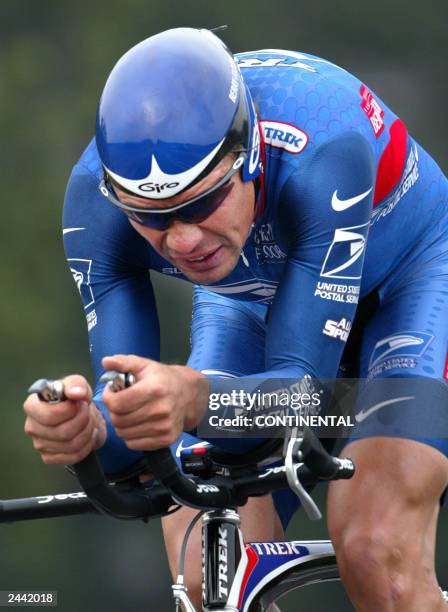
{"x":284,"y":136}
{"x":148,"y":187}
{"x":339,"y":205}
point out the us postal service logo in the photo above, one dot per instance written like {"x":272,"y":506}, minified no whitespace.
{"x":404,"y":344}
{"x":80,"y":269}
{"x":345,"y":256}
{"x":284,"y":136}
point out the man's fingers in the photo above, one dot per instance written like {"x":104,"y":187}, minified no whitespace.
{"x":149,"y":443}
{"x":75,"y":445}
{"x":77,"y":388}
{"x":64,"y":458}
{"x":51,"y":415}
{"x":136,"y":417}
{"x":62,"y":431}
{"x":162,"y":431}
{"x":132,"y":398}
{"x":125,"y":363}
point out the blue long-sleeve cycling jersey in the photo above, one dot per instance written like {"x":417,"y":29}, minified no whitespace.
{"x":347,"y":199}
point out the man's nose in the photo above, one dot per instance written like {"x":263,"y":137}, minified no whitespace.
{"x":183,"y":238}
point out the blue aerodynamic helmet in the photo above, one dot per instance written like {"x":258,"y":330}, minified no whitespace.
{"x":173,"y":106}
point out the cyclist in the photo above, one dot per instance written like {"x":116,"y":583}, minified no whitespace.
{"x":291,"y":196}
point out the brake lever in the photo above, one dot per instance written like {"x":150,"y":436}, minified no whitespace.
{"x":50,"y":391}
{"x":293,"y":453}
{"x":117,"y":381}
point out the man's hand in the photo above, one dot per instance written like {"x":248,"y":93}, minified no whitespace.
{"x":65,"y":433}
{"x":164,"y":401}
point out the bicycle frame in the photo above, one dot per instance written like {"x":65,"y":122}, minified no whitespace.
{"x":240,"y":577}
{"x":237,"y":576}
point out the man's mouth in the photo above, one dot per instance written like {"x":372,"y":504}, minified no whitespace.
{"x":202,"y":261}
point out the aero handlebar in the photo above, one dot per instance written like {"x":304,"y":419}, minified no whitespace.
{"x":313,"y":464}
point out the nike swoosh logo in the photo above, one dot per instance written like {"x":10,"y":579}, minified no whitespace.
{"x":72,"y":229}
{"x":340,"y":205}
{"x":181,"y":447}
{"x":361,"y":416}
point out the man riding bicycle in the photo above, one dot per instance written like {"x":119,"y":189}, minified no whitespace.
{"x":293,"y":198}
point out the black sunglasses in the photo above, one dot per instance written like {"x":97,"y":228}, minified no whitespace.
{"x":195,"y":210}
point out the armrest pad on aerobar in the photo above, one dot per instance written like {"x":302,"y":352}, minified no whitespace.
{"x":90,"y":473}
{"x":162,"y":465}
{"x":198,"y":494}
{"x":106,"y":497}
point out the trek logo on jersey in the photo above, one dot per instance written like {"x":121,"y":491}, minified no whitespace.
{"x":285,"y":59}
{"x":337,"y":329}
{"x":80,"y":269}
{"x":345,"y":256}
{"x":372,"y":109}
{"x":404,"y":344}
{"x":285,"y":136}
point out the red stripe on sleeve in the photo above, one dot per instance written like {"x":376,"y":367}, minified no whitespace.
{"x":392,"y":161}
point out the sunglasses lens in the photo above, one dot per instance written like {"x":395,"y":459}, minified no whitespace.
{"x":193,"y":212}
{"x":196,"y":212}
{"x":200,"y":210}
{"x":158,"y":222}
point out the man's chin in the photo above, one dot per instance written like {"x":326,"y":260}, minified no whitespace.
{"x":204,"y":278}
{"x":213,"y":275}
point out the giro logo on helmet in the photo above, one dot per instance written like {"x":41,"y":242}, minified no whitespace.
{"x":156,"y":187}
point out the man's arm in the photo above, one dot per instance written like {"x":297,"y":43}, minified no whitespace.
{"x":325,"y":210}
{"x":322,"y":223}
{"x":109,"y":262}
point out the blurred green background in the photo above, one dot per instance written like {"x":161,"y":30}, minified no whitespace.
{"x":54,"y":59}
